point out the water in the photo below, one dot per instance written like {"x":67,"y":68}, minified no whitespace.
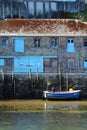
{"x":53,"y":117}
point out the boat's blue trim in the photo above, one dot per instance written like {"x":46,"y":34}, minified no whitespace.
{"x":62,"y":95}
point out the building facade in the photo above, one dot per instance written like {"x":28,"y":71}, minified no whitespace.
{"x":43,"y":46}
{"x":38,"y":9}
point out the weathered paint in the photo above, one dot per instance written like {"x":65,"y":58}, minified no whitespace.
{"x":27,"y":64}
{"x":19,"y":44}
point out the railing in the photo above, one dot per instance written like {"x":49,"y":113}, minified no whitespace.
{"x":47,"y":72}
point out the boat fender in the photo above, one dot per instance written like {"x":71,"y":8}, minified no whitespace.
{"x":70,"y":89}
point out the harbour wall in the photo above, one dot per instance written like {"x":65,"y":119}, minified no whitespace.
{"x":26,"y":86}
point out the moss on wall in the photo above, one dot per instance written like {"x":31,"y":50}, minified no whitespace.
{"x":22,"y":87}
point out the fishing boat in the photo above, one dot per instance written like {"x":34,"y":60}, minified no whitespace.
{"x":65,"y":95}
{"x":74,"y":94}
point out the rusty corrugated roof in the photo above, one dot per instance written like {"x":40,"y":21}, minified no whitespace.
{"x":42,"y":27}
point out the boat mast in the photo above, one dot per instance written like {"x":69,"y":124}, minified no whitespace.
{"x":59,"y":79}
{"x":67,"y":82}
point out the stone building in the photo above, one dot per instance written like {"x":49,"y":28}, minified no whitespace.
{"x":38,"y":9}
{"x":43,"y":46}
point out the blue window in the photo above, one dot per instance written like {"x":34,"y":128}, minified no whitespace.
{"x":19,"y":44}
{"x":53,"y":42}
{"x":85,"y":63}
{"x":70,"y":45}
{"x":1,"y":62}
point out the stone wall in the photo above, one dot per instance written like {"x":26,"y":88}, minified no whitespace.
{"x":24,"y":87}
{"x":58,"y":53}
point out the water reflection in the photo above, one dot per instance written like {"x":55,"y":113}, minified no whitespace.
{"x":70,"y":107}
{"x":43,"y":121}
{"x":21,"y":121}
{"x":53,"y":117}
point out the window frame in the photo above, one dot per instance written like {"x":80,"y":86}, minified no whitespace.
{"x":52,"y":61}
{"x":53,"y":42}
{"x":48,"y":63}
{"x":6,"y":42}
{"x":38,"y":44}
{"x":85,"y":43}
{"x":70,"y":63}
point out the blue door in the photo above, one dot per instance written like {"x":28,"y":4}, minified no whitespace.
{"x":26,"y":64}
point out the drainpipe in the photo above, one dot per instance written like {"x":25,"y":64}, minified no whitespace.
{"x":2,"y":75}
{"x":67,"y":82}
{"x":57,"y":57}
{"x":58,"y":66}
{"x":79,"y":53}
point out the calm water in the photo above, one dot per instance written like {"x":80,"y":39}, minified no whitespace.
{"x":54,"y":117}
